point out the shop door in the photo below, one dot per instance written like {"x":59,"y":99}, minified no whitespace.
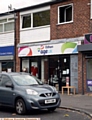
{"x":59,"y":71}
{"x":53,"y":70}
{"x":89,"y":75}
{"x":65,"y":65}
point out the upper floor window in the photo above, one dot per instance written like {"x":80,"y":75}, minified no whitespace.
{"x":3,"y":20}
{"x":6,"y":24}
{"x":91,"y":9}
{"x":41,"y":18}
{"x":65,"y":14}
{"x":26,"y":21}
{"x":36,"y":19}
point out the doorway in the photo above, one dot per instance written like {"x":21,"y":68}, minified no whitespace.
{"x":59,"y":70}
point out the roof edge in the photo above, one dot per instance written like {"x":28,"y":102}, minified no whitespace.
{"x":32,"y":7}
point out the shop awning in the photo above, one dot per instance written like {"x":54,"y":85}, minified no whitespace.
{"x":85,"y":47}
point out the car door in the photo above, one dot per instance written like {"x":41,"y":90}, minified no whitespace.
{"x":6,"y":93}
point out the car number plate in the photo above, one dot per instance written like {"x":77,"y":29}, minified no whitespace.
{"x":50,"y":101}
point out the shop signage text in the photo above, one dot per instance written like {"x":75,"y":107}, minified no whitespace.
{"x":45,"y":49}
{"x":52,"y":49}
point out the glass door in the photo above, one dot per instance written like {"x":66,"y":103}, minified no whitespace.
{"x":65,"y":68}
{"x":89,"y":75}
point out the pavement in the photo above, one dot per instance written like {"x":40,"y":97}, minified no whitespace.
{"x":78,"y":102}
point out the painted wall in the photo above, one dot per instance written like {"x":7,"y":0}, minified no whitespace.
{"x":35,"y":35}
{"x":7,"y":39}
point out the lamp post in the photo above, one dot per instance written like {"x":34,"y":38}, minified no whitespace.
{"x":14,"y":56}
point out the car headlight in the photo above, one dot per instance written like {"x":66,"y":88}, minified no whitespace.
{"x":31,"y":92}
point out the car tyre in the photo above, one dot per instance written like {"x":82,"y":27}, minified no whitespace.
{"x":20,"y":107}
{"x":51,"y":109}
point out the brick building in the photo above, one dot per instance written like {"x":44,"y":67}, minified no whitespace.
{"x":47,"y":47}
{"x":80,"y":25}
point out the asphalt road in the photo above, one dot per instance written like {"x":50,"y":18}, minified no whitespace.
{"x":58,"y":114}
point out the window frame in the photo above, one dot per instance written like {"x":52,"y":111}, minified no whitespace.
{"x":8,"y":20}
{"x":90,"y":9}
{"x":9,"y":80}
{"x":22,"y":16}
{"x":38,"y":13}
{"x":68,"y":6}
{"x":31,"y":13}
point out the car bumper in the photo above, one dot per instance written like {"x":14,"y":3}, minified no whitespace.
{"x":39,"y":102}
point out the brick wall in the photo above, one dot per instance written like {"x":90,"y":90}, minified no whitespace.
{"x":80,"y":24}
{"x":81,"y":73}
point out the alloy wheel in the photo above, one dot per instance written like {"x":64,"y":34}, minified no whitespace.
{"x":20,"y":106}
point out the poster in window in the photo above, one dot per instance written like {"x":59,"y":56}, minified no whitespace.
{"x":89,"y":85}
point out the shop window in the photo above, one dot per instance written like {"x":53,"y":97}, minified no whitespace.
{"x":41,"y":18}
{"x":89,"y":75}
{"x":7,"y":66}
{"x":89,"y":69}
{"x":25,"y":65}
{"x":65,"y":14}
{"x":34,"y":69}
{"x":26,"y":21}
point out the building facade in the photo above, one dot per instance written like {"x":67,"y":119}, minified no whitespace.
{"x":49,"y":43}
{"x":74,"y":24}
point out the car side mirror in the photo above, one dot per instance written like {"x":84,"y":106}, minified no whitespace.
{"x":10,"y":85}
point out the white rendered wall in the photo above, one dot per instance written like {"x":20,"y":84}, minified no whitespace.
{"x":7,"y":39}
{"x":35,"y":35}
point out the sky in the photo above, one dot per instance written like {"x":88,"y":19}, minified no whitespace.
{"x":18,"y":4}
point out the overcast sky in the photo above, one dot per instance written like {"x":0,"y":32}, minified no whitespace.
{"x":18,"y":4}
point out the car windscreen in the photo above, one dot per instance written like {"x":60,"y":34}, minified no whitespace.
{"x":38,"y":80}
{"x":24,"y":80}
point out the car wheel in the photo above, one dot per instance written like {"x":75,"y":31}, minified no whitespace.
{"x":51,"y":109}
{"x":20,"y":107}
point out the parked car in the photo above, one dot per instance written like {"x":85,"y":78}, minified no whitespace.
{"x":25,"y":92}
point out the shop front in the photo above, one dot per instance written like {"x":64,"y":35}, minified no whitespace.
{"x":6,"y":58}
{"x":86,"y":67}
{"x":52,"y":63}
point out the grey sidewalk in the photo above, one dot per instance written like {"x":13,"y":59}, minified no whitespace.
{"x":81,"y":102}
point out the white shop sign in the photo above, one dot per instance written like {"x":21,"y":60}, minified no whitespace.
{"x":51,"y":49}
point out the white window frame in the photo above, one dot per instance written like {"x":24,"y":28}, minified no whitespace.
{"x":90,"y":9}
{"x":31,"y":12}
{"x":8,"y":21}
{"x":22,"y":21}
{"x":65,"y":13}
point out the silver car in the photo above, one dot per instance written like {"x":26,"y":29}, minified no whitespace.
{"x":25,"y":92}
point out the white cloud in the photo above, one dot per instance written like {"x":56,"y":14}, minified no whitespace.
{"x":18,"y":4}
